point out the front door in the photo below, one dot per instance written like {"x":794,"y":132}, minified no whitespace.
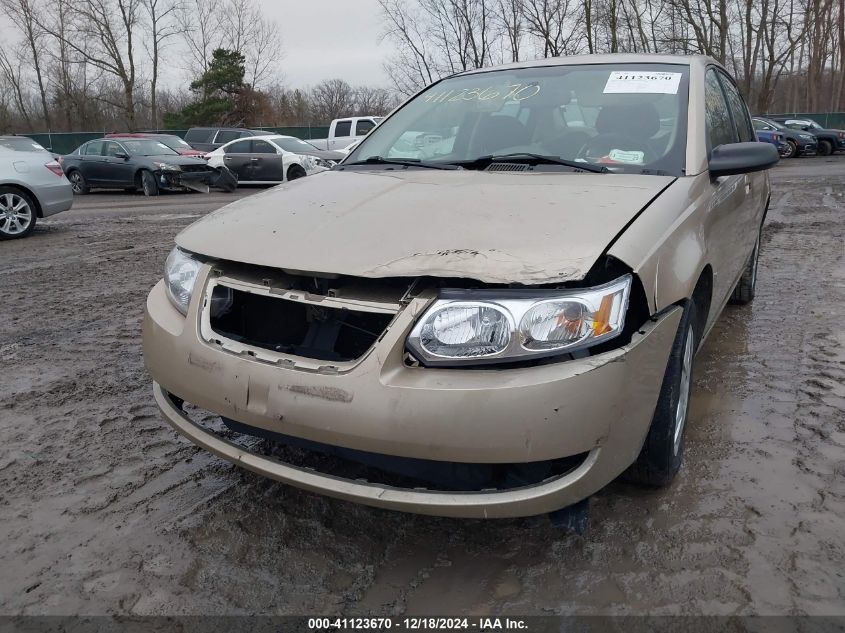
{"x":267,"y":163}
{"x":116,"y":170}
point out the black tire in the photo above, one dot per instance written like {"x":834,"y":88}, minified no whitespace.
{"x":148,"y":183}
{"x":296,"y":171}
{"x":793,"y":149}
{"x":77,"y":182}
{"x":825,"y":147}
{"x":663,"y":449}
{"x":18,"y":214}
{"x":747,"y":284}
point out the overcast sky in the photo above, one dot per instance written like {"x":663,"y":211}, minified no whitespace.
{"x":324,"y":39}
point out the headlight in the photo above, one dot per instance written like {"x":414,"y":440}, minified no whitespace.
{"x":807,"y":137}
{"x":327,"y":164}
{"x":180,"y":274}
{"x":482,"y":326}
{"x":167,"y":167}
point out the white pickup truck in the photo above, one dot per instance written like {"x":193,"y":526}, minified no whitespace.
{"x":344,"y":132}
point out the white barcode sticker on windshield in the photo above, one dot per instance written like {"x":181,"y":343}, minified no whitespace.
{"x":642,"y":81}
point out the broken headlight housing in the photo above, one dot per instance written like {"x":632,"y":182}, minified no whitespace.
{"x":466,"y":326}
{"x":180,"y":275}
{"x":167,"y":167}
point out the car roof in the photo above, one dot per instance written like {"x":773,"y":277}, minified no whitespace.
{"x":606,"y":58}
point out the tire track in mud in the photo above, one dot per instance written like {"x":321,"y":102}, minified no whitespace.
{"x":107,"y":510}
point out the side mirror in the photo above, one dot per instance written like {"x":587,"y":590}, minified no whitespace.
{"x":121,"y":155}
{"x":742,"y":158}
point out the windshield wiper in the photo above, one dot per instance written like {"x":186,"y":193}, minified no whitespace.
{"x":538,"y":158}
{"x":406,"y":162}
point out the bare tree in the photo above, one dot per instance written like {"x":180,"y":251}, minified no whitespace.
{"x":332,"y":99}
{"x":23,"y":14}
{"x":161,"y":26}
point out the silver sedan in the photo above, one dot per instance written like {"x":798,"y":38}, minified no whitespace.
{"x":32,"y":186}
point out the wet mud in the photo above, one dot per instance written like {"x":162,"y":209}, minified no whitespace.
{"x":104,"y":509}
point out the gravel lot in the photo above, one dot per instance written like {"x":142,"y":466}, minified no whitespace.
{"x":106,"y":510}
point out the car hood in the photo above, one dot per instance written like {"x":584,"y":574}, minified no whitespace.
{"x":325,"y":154}
{"x":178,"y":159}
{"x":493,"y":227}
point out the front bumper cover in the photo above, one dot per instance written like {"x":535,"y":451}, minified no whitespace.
{"x":600,"y":405}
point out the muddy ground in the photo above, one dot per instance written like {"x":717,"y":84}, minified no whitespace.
{"x":104,"y":509}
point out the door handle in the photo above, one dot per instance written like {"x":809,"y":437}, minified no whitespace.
{"x":227,"y":158}
{"x":254,"y":160}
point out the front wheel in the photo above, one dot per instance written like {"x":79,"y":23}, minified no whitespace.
{"x":295,"y":171}
{"x":825,"y":148}
{"x":148,"y":183}
{"x":17,"y":214}
{"x":663,"y":449}
{"x":792,"y":149}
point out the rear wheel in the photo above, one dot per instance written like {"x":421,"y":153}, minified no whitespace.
{"x":663,"y":449}
{"x":148,"y":183}
{"x":747,"y":284}
{"x":77,"y":182}
{"x":295,"y":171}
{"x":825,"y":147}
{"x":17,"y":214}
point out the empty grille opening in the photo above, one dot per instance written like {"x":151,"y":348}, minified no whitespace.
{"x":290,"y":327}
{"x":406,"y":472}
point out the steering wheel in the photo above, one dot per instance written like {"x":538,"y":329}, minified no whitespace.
{"x":600,"y":145}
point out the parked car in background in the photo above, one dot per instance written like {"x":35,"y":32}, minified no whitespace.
{"x":799,"y":143}
{"x":176,"y":143}
{"x":342,"y":132}
{"x":777,"y":139}
{"x":261,"y":160}
{"x":830,"y":141}
{"x":499,"y":325}
{"x":139,"y":163}
{"x":209,"y":139}
{"x":304,"y":148}
{"x":32,"y":186}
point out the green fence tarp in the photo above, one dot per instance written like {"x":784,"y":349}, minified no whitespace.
{"x":66,"y":142}
{"x":830,"y":120}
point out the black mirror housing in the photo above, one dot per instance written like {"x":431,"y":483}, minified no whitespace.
{"x":121,"y":155}
{"x":742,"y":158}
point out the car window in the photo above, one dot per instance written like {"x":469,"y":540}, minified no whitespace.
{"x":94,"y":148}
{"x":113,"y":149}
{"x":199,"y":135}
{"x":147,"y":147}
{"x":292,"y":144}
{"x":224,"y":136}
{"x":761,"y":125}
{"x":343,"y":128}
{"x":262,"y":147}
{"x":241,"y":147}
{"x":720,"y":128}
{"x":739,"y":111}
{"x":627,"y":116}
{"x":363,"y":127}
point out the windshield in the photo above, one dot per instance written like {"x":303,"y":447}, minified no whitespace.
{"x":291,"y":144}
{"x":175,"y":141}
{"x":145,"y":147}
{"x":21,"y":144}
{"x":629,"y":117}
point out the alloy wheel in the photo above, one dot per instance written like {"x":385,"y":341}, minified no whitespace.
{"x":76,"y":182}
{"x":15,"y":214}
{"x":685,"y":388}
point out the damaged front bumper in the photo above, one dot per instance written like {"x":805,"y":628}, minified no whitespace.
{"x":198,"y":180}
{"x":598,"y":407}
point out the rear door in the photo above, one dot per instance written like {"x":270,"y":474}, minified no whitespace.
{"x":200,"y":138}
{"x":90,"y":161}
{"x":239,"y":159}
{"x":225,"y":136}
{"x":267,"y":162}
{"x":341,"y":134}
